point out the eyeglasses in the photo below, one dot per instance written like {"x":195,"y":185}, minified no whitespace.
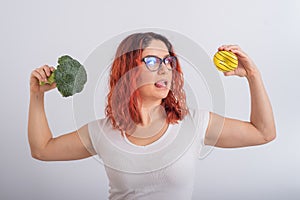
{"x":154,"y":63}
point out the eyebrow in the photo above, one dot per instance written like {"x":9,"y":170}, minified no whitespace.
{"x":157,"y":56}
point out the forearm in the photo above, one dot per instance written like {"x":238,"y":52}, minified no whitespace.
{"x":261,"y":110}
{"x":39,"y":133}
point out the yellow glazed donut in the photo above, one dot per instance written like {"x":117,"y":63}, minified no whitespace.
{"x":225,"y":61}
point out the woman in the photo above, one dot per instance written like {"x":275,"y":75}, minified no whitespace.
{"x":146,"y":104}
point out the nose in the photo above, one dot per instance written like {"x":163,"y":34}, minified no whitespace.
{"x":163,"y":69}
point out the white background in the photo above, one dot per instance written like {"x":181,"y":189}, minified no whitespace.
{"x":34,"y":33}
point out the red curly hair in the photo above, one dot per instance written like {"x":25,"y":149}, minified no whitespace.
{"x":122,"y":100}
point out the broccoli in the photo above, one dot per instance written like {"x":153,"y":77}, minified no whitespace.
{"x":70,"y":76}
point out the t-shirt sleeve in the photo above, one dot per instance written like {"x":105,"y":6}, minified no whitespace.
{"x":204,"y":116}
{"x":201,"y":119}
{"x":95,"y":135}
{"x":85,"y":139}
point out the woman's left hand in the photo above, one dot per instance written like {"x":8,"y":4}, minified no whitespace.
{"x":246,"y":66}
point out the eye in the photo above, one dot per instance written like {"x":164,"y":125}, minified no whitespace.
{"x":150,"y":61}
{"x":170,"y":60}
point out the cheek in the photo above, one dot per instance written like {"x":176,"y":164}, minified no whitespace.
{"x":145,"y":89}
{"x":145,"y":78}
{"x":171,"y":75}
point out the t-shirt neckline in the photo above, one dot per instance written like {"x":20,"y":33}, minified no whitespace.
{"x":151,"y":144}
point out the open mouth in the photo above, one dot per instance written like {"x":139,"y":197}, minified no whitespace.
{"x":161,"y":84}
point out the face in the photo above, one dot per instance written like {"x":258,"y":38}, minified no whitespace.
{"x":155,"y":85}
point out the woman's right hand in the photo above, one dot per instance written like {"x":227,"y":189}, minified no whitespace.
{"x":41,"y":74}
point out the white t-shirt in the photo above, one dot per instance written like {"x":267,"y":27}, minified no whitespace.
{"x":164,"y":169}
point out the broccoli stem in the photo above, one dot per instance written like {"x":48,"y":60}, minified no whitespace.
{"x":51,"y":79}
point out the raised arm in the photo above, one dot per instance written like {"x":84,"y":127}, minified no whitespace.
{"x":42,"y":144}
{"x":225,"y":132}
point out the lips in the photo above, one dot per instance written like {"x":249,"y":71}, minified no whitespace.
{"x":161,"y":83}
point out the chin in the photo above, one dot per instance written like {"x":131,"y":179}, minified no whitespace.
{"x":152,"y":92}
{"x":162,"y":94}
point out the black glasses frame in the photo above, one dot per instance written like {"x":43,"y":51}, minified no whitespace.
{"x":160,"y":63}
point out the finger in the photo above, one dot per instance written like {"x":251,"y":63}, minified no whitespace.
{"x":50,"y":87}
{"x":222,"y":48}
{"x":53,"y":85}
{"x":37,"y":75}
{"x":239,"y":53}
{"x":232,"y":47}
{"x":47,"y":70}
{"x":229,"y":47}
{"x":42,"y":72}
{"x":229,"y":73}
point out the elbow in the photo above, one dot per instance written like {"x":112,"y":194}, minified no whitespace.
{"x":35,"y":156}
{"x":270,"y":136}
{"x":38,"y":155}
{"x":40,"y":152}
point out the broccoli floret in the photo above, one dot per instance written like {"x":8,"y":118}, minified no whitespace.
{"x":70,"y":76}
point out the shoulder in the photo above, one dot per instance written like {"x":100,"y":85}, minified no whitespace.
{"x":99,"y":123}
{"x":200,"y":119}
{"x":199,"y":115}
{"x":99,"y":126}
{"x":96,"y":130}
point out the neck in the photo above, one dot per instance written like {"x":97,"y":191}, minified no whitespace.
{"x":150,"y":111}
{"x":153,"y":122}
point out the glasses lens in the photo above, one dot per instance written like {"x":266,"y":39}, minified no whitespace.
{"x":152,"y":62}
{"x":170,"y":62}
